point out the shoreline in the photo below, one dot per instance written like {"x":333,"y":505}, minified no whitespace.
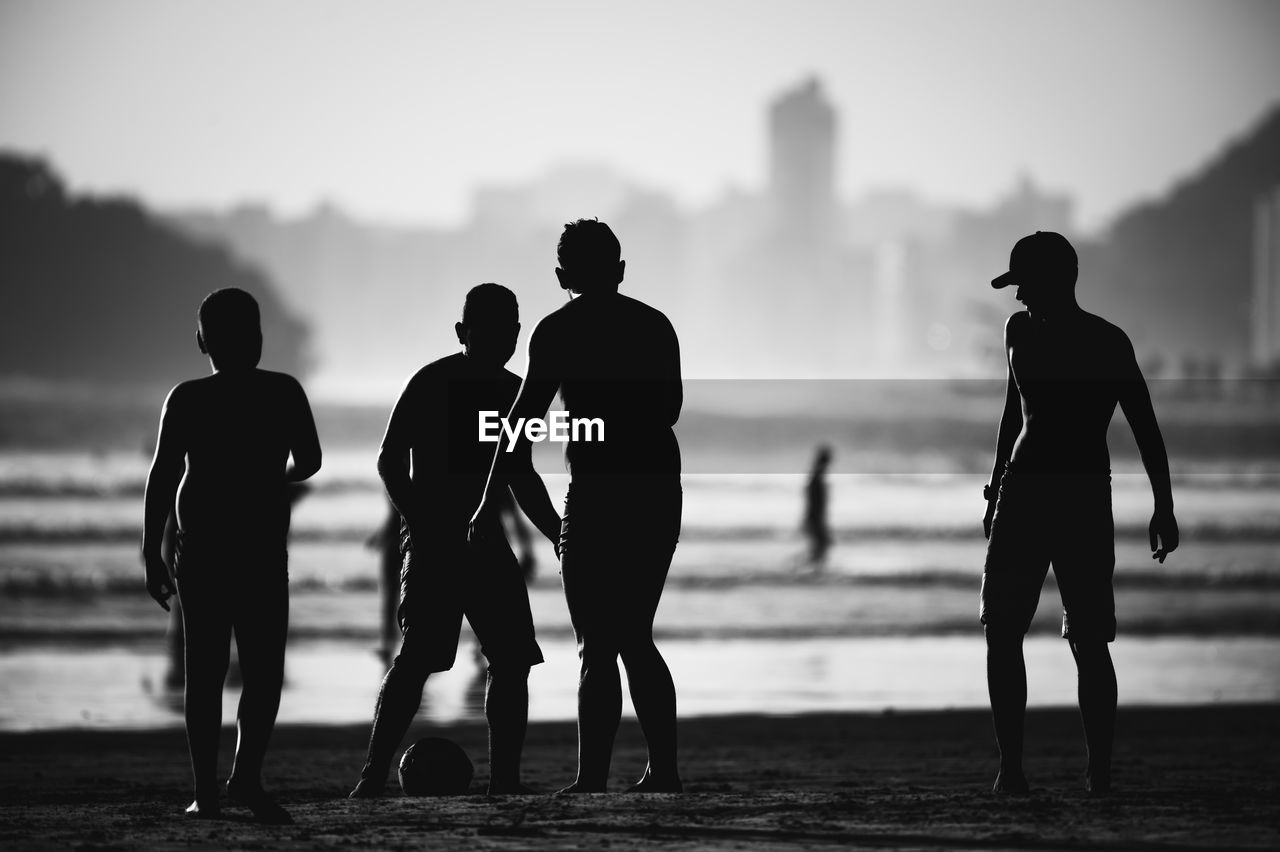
{"x":1186,"y":777}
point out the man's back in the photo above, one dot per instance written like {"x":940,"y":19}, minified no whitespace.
{"x":236,"y":429}
{"x":436,"y":418}
{"x":617,"y":359}
{"x":1070,"y":374}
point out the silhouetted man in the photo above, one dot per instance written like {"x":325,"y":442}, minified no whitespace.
{"x":434,"y":467}
{"x":616,"y":359}
{"x":230,"y":444}
{"x":1067,"y":371}
{"x":816,"y":526}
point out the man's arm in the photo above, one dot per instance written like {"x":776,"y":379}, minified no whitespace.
{"x":393,"y":456}
{"x":1135,"y":402}
{"x":530,"y":492}
{"x":536,"y":393}
{"x":304,"y":443}
{"x":1010,"y":427}
{"x":673,"y":389}
{"x":167,"y":467}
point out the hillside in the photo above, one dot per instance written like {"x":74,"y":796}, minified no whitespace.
{"x":98,"y":291}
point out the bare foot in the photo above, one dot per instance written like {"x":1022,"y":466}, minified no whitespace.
{"x":577,"y":788}
{"x":367,"y":788}
{"x":652,"y":783}
{"x":264,"y":808}
{"x":1010,"y":784}
{"x":203,"y":810}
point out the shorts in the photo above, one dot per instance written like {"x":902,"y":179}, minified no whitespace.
{"x":230,"y":584}
{"x":1059,"y":520}
{"x":617,"y":540}
{"x":233,"y":562}
{"x":481,"y":580}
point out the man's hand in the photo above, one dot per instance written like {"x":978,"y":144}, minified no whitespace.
{"x":990,"y":494}
{"x":159,"y":583}
{"x":1164,"y":534}
{"x":482,"y":516}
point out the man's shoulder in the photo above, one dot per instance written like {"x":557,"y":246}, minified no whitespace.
{"x":189,"y":391}
{"x":1016,"y":323}
{"x":441,"y":368}
{"x":646,"y":313}
{"x":284,"y":381}
{"x":643,"y":308}
{"x":1106,"y":331}
{"x":180,"y":395}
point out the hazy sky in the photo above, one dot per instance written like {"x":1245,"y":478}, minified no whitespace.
{"x":396,"y":110}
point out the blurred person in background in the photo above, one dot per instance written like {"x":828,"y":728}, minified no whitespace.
{"x":816,"y":525}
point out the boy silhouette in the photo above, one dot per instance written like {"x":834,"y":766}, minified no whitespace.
{"x":434,"y":467}
{"x":230,"y":445}
{"x":614,"y":358}
{"x":1067,"y":371}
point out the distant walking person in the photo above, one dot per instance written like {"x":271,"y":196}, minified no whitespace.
{"x":230,"y":444}
{"x":1052,"y":505}
{"x":816,"y":525}
{"x":616,"y":360}
{"x":434,"y":468}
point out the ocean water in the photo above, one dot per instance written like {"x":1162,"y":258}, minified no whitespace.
{"x":889,"y":622}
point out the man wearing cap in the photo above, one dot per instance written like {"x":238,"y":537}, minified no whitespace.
{"x":1049,"y":497}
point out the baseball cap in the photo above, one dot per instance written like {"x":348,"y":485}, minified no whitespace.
{"x":1044,"y":253}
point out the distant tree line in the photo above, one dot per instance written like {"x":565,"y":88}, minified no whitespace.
{"x":97,"y":290}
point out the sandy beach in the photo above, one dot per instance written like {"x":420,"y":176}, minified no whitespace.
{"x":1185,"y":778}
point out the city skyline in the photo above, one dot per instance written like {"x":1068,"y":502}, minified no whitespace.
{"x":401,"y":116}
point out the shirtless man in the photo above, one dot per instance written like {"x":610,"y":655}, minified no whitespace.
{"x":230,"y":445}
{"x":614,"y":358}
{"x":1049,"y":500}
{"x":435,"y":469}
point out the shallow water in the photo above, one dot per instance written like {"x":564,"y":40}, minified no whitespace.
{"x":748,"y":626}
{"x":336,"y":683}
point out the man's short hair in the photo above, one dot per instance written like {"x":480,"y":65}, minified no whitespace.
{"x":227,"y":315}
{"x":588,"y":246}
{"x":490,"y":302}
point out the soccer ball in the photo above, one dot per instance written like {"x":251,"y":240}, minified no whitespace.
{"x":435,"y":767}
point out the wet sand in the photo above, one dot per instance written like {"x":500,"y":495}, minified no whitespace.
{"x":1185,"y":778}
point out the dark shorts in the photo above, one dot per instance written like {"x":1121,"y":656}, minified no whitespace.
{"x":617,"y":540}
{"x":481,"y":580}
{"x":1059,"y":520}
{"x":233,"y":585}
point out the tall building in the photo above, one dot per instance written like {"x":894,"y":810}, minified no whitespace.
{"x":802,"y":161}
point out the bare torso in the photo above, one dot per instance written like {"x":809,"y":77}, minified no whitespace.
{"x":617,"y":359}
{"x":1068,"y":374}
{"x":235,"y":428}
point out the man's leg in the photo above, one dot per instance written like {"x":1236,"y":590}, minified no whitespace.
{"x":207,"y":650}
{"x":261,"y":630}
{"x":653,"y":694}
{"x":506,"y":708}
{"x":398,"y":700}
{"x":1016,"y":565}
{"x":1097,"y":694}
{"x":1007,"y":686}
{"x":599,"y":713}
